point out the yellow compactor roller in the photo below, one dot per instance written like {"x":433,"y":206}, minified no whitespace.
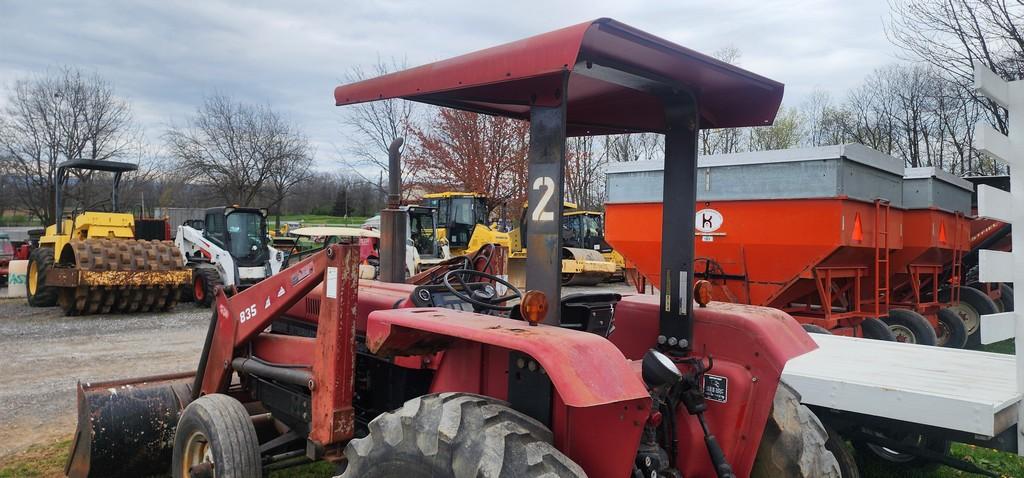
{"x":100,"y":262}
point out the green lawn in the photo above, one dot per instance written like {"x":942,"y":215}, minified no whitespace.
{"x":18,"y":220}
{"x":315,"y":219}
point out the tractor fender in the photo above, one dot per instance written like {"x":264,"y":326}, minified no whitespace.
{"x":586,"y":369}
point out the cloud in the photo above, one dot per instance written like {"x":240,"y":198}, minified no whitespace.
{"x":164,"y":56}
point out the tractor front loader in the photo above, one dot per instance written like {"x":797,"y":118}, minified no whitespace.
{"x":98,"y":262}
{"x":468,"y":375}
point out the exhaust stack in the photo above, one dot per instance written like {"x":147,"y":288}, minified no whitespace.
{"x":392,"y":221}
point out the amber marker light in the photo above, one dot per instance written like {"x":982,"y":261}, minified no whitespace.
{"x":702,"y":292}
{"x":534,"y":306}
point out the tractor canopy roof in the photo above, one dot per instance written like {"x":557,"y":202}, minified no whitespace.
{"x":616,"y":78}
{"x":98,"y":165}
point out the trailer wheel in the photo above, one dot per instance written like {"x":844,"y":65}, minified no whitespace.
{"x":216,"y":434}
{"x":952,"y":331}
{"x":973,"y":304}
{"x":815,"y":329}
{"x":456,"y":434}
{"x":1006,"y":297}
{"x":910,"y":327}
{"x":39,"y":264}
{"x":204,"y":285}
{"x":794,"y":442}
{"x":877,"y":456}
{"x":872,"y":328}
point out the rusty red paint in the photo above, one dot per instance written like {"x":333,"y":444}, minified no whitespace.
{"x":506,"y":79}
{"x":586,"y":369}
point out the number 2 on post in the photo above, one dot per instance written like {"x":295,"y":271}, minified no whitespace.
{"x":539,"y":212}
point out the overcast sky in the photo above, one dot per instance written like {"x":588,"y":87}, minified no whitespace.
{"x":164,"y":56}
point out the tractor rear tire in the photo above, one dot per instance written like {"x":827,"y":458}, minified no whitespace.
{"x":815,"y":329}
{"x":794,"y":442}
{"x":204,"y":286}
{"x":954,"y":331}
{"x":39,"y":294}
{"x":456,"y":434}
{"x":910,"y":327}
{"x":875,"y":329}
{"x":844,"y":454}
{"x":216,"y":429}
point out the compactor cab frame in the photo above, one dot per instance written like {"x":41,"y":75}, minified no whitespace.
{"x":453,"y":379}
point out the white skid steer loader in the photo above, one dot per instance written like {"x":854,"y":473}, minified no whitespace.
{"x":229,"y":248}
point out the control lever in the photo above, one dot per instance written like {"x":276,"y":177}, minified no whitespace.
{"x":692,"y":396}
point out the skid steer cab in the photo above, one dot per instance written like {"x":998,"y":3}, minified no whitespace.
{"x":229,"y":248}
{"x":468,"y":375}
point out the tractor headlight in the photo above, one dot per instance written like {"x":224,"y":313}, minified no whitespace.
{"x":658,"y":371}
{"x":280,"y":256}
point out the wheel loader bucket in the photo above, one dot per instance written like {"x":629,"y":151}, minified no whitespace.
{"x":585,"y":267}
{"x":126,"y":427}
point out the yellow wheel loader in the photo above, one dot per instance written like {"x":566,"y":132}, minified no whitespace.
{"x":99,"y":262}
{"x":463,"y":224}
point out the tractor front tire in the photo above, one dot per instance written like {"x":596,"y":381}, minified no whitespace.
{"x":875,"y":329}
{"x":794,"y":443}
{"x":39,"y":264}
{"x":456,"y":434}
{"x":216,"y":433}
{"x":204,"y":286}
{"x":954,"y":331}
{"x":910,"y":327}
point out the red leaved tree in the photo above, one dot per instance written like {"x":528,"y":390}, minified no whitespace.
{"x":471,"y":152}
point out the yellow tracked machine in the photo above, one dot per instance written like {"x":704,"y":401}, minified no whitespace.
{"x":99,"y":262}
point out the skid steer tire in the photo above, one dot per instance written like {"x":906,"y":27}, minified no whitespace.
{"x":39,"y":294}
{"x":456,"y":434}
{"x":794,"y":442}
{"x":875,"y":329}
{"x":216,"y":429}
{"x":910,"y":327}
{"x":204,"y":286}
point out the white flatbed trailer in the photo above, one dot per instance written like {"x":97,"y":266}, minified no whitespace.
{"x":958,"y":390}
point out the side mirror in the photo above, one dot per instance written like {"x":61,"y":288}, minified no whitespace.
{"x":659,"y":372}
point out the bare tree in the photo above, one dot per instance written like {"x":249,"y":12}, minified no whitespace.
{"x":64,"y":115}
{"x":237,"y":147}
{"x":284,"y":176}
{"x":825,"y":122}
{"x":584,"y":173}
{"x":723,"y":140}
{"x":786,"y":132}
{"x":374,"y":125}
{"x":634,"y":147}
{"x":953,"y":34}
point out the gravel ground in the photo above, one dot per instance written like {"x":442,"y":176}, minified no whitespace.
{"x":43,"y":354}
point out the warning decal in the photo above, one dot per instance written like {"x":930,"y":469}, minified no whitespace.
{"x":716,"y":388}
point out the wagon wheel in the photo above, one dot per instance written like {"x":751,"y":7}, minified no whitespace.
{"x":910,"y":327}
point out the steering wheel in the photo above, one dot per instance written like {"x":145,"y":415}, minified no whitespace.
{"x":485,"y":297}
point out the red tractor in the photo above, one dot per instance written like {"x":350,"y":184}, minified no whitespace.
{"x":467,"y":375}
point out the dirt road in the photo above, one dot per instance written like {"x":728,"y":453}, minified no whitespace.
{"x":43,"y":354}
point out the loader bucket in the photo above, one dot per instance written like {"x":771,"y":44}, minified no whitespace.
{"x":126,"y":427}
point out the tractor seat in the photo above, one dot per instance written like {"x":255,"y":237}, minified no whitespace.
{"x":590,"y":312}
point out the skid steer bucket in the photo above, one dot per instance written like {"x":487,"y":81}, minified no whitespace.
{"x":126,"y":427}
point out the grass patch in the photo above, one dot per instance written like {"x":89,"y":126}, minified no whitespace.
{"x":312,"y":219}
{"x":18,"y":220}
{"x":1004,"y":347}
{"x":47,"y":461}
{"x":38,"y":461}
{"x":1005,"y":464}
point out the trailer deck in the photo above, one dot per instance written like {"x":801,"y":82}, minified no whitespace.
{"x":962,"y":390}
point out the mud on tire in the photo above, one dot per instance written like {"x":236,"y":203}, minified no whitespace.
{"x":794,"y":442}
{"x":205,"y":281}
{"x":456,"y":434}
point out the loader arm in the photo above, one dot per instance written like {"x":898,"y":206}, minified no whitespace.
{"x":239,"y":318}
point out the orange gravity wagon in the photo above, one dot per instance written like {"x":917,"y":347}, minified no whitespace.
{"x":811,"y":231}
